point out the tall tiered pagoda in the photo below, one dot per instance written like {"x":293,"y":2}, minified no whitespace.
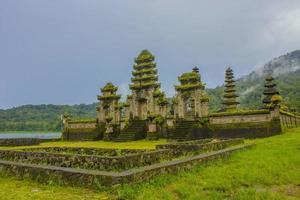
{"x":108,"y":109}
{"x":230,"y":95}
{"x":270,"y":90}
{"x":190,"y":100}
{"x":146,"y":95}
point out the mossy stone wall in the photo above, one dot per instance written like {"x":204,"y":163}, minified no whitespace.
{"x":82,"y":134}
{"x":20,"y":142}
{"x":289,"y":121}
{"x":98,"y":179}
{"x":182,"y":148}
{"x":106,"y":163}
{"x":238,"y":130}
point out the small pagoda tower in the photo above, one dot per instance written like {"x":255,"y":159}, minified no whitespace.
{"x":270,"y":90}
{"x":146,"y":95}
{"x":108,"y":109}
{"x":190,"y":100}
{"x":230,"y":95}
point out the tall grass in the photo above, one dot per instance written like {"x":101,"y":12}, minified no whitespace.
{"x":270,"y":170}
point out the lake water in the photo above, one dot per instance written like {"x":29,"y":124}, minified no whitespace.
{"x":30,"y":135}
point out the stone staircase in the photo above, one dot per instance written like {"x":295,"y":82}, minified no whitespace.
{"x":182,"y":130}
{"x":136,"y":129}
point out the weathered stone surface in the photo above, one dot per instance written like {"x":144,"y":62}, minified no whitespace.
{"x":83,"y":134}
{"x":20,"y":142}
{"x":96,"y":179}
{"x":288,"y":121}
{"x":107,"y":163}
{"x":87,"y":151}
{"x":197,"y":146}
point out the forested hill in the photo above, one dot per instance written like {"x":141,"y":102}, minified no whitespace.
{"x":286,"y":71}
{"x":41,"y":117}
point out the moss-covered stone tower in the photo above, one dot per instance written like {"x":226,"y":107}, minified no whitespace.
{"x":108,"y":109}
{"x":270,"y":90}
{"x":230,"y":95}
{"x":146,"y":95}
{"x":190,"y":100}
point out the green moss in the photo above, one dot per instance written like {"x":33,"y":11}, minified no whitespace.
{"x":244,"y":125}
{"x":157,"y":93}
{"x":109,"y":97}
{"x":144,"y":56}
{"x":144,"y":65}
{"x":189,"y":77}
{"x":144,"y":71}
{"x":189,"y":86}
{"x":145,"y":78}
{"x":82,"y":121}
{"x":162,"y":100}
{"x":288,"y":113}
{"x":144,"y":85}
{"x":240,"y":112}
{"x":81,"y":130}
{"x":109,"y":87}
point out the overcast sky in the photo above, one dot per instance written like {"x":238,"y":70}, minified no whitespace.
{"x":63,"y":51}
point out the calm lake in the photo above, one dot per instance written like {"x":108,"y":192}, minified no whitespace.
{"x":4,"y":135}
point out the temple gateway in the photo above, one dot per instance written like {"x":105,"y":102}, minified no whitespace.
{"x":148,"y":113}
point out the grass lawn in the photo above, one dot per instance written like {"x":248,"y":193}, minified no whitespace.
{"x":141,"y":144}
{"x":270,"y":170}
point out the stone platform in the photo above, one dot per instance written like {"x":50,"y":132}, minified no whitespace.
{"x":95,"y":168}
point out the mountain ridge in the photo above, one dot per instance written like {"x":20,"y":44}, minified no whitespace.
{"x":286,"y":71}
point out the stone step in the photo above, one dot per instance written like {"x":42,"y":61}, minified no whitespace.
{"x":132,"y":131}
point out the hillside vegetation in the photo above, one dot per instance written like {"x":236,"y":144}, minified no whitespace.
{"x":286,"y":71}
{"x":41,"y":117}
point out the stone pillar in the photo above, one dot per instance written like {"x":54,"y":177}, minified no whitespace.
{"x":109,"y":132}
{"x":152,"y":131}
{"x":275,"y":112}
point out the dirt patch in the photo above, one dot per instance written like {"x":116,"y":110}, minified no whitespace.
{"x":288,"y":190}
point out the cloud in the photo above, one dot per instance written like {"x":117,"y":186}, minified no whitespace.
{"x":249,"y":90}
{"x":282,"y":27}
{"x":96,"y":41}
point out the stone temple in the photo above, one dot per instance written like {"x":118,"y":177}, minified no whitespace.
{"x":148,"y":113}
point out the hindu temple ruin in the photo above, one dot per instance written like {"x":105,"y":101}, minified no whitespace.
{"x":148,"y":113}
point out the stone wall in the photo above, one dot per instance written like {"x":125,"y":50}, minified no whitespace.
{"x":289,"y":121}
{"x":199,"y":146}
{"x":81,"y":134}
{"x":98,"y":179}
{"x":20,"y":142}
{"x":106,"y":163}
{"x":247,"y":124}
{"x":240,"y":119}
{"x":87,"y":151}
{"x":240,"y":130}
{"x":81,"y":125}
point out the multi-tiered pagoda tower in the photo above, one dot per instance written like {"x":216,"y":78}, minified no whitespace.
{"x":230,"y":95}
{"x":108,"y":109}
{"x":190,"y":100}
{"x":270,"y":90}
{"x":146,"y":97}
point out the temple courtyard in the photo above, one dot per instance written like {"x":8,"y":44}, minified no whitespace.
{"x":268,"y":170}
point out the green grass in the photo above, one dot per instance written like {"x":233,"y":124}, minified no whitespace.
{"x":270,"y":170}
{"x":141,"y":144}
